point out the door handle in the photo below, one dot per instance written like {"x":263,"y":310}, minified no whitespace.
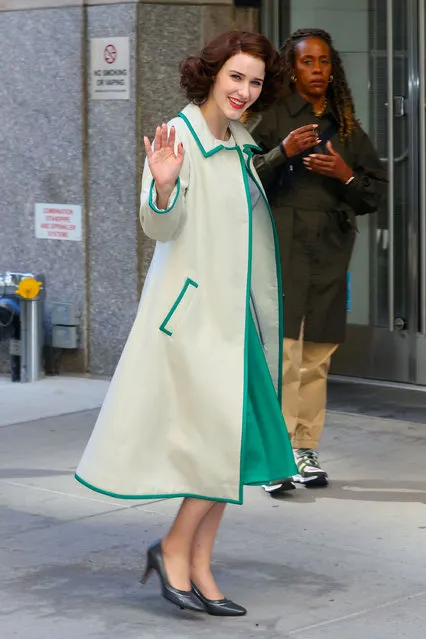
{"x":398,"y":159}
{"x":398,"y":111}
{"x":398,"y":106}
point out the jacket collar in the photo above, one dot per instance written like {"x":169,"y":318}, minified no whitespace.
{"x":205,"y":139}
{"x":296,"y":104}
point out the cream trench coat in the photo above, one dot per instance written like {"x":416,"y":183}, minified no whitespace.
{"x":173,"y":420}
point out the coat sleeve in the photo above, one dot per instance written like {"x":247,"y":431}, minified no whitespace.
{"x":163,"y":224}
{"x":364,"y":194}
{"x":264,"y":130}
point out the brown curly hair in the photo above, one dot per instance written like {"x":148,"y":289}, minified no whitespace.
{"x":198,"y":72}
{"x":338,"y":92}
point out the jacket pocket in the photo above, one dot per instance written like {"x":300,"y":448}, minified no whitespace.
{"x":180,"y":308}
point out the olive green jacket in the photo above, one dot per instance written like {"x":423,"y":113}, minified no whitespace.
{"x":315,"y":216}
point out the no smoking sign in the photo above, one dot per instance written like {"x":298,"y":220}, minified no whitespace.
{"x":110,"y":68}
{"x":110,"y":54}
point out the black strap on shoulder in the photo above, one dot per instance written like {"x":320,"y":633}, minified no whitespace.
{"x":329,"y":133}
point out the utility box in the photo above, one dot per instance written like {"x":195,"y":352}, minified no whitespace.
{"x":64,"y":337}
{"x":64,"y":314}
{"x":65,"y":322}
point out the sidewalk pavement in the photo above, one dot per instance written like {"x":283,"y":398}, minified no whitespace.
{"x":50,"y":397}
{"x":345,"y":562}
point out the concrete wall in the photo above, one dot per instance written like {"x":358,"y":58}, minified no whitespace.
{"x":41,"y":144}
{"x":113,"y":193}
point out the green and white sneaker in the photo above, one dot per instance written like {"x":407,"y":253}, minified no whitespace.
{"x":310,"y":475}
{"x":278,"y":488}
{"x":310,"y":472}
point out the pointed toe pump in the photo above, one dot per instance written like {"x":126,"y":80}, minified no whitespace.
{"x":185,"y":599}
{"x":219,"y":607}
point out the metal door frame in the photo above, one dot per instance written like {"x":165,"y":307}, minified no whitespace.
{"x":386,"y":353}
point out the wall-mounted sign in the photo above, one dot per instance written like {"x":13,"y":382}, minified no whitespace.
{"x":58,"y":222}
{"x":109,"y":68}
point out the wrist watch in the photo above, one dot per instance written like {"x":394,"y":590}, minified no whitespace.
{"x":350,"y":180}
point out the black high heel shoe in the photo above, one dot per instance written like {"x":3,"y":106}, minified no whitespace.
{"x":182,"y":598}
{"x":219,"y":607}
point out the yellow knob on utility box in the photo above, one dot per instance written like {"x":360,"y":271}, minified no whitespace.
{"x":29,"y":288}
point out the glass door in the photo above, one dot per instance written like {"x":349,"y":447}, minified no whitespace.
{"x":389,"y":342}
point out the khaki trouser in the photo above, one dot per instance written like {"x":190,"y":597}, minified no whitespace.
{"x":305,"y":371}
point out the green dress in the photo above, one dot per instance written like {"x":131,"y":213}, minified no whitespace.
{"x":267,"y":452}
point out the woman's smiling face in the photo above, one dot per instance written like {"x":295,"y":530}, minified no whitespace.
{"x":238,"y":85}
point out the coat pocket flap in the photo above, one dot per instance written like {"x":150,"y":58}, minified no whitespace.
{"x":180,"y":307}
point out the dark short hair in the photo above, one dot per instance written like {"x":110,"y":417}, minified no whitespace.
{"x":198,"y":72}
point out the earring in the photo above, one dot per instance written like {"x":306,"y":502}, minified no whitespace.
{"x":331,"y":78}
{"x":293,"y":78}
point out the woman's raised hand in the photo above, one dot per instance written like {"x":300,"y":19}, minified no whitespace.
{"x":165,"y":165}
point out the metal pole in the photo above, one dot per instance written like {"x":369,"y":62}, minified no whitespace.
{"x":31,"y":340}
{"x":270,"y":20}
{"x":414,"y":228}
{"x":35,"y":345}
{"x":422,"y":164}
{"x":391,"y":275}
{"x":24,"y":340}
{"x":276,"y":23}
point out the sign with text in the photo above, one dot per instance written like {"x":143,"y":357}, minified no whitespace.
{"x":58,"y":222}
{"x":110,"y":68}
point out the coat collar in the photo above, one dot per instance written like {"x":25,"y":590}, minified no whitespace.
{"x":295,"y":104}
{"x":205,"y":139}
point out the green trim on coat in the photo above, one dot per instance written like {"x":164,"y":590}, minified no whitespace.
{"x":156,"y":496}
{"x":279,"y":282}
{"x":250,"y":148}
{"x":246,"y":328}
{"x":247,"y":147}
{"x":179,"y":298}
{"x":151,"y":200}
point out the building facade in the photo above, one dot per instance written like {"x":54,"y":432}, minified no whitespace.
{"x":61,"y":145}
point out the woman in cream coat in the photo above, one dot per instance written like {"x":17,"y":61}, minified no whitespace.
{"x":193,"y":409}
